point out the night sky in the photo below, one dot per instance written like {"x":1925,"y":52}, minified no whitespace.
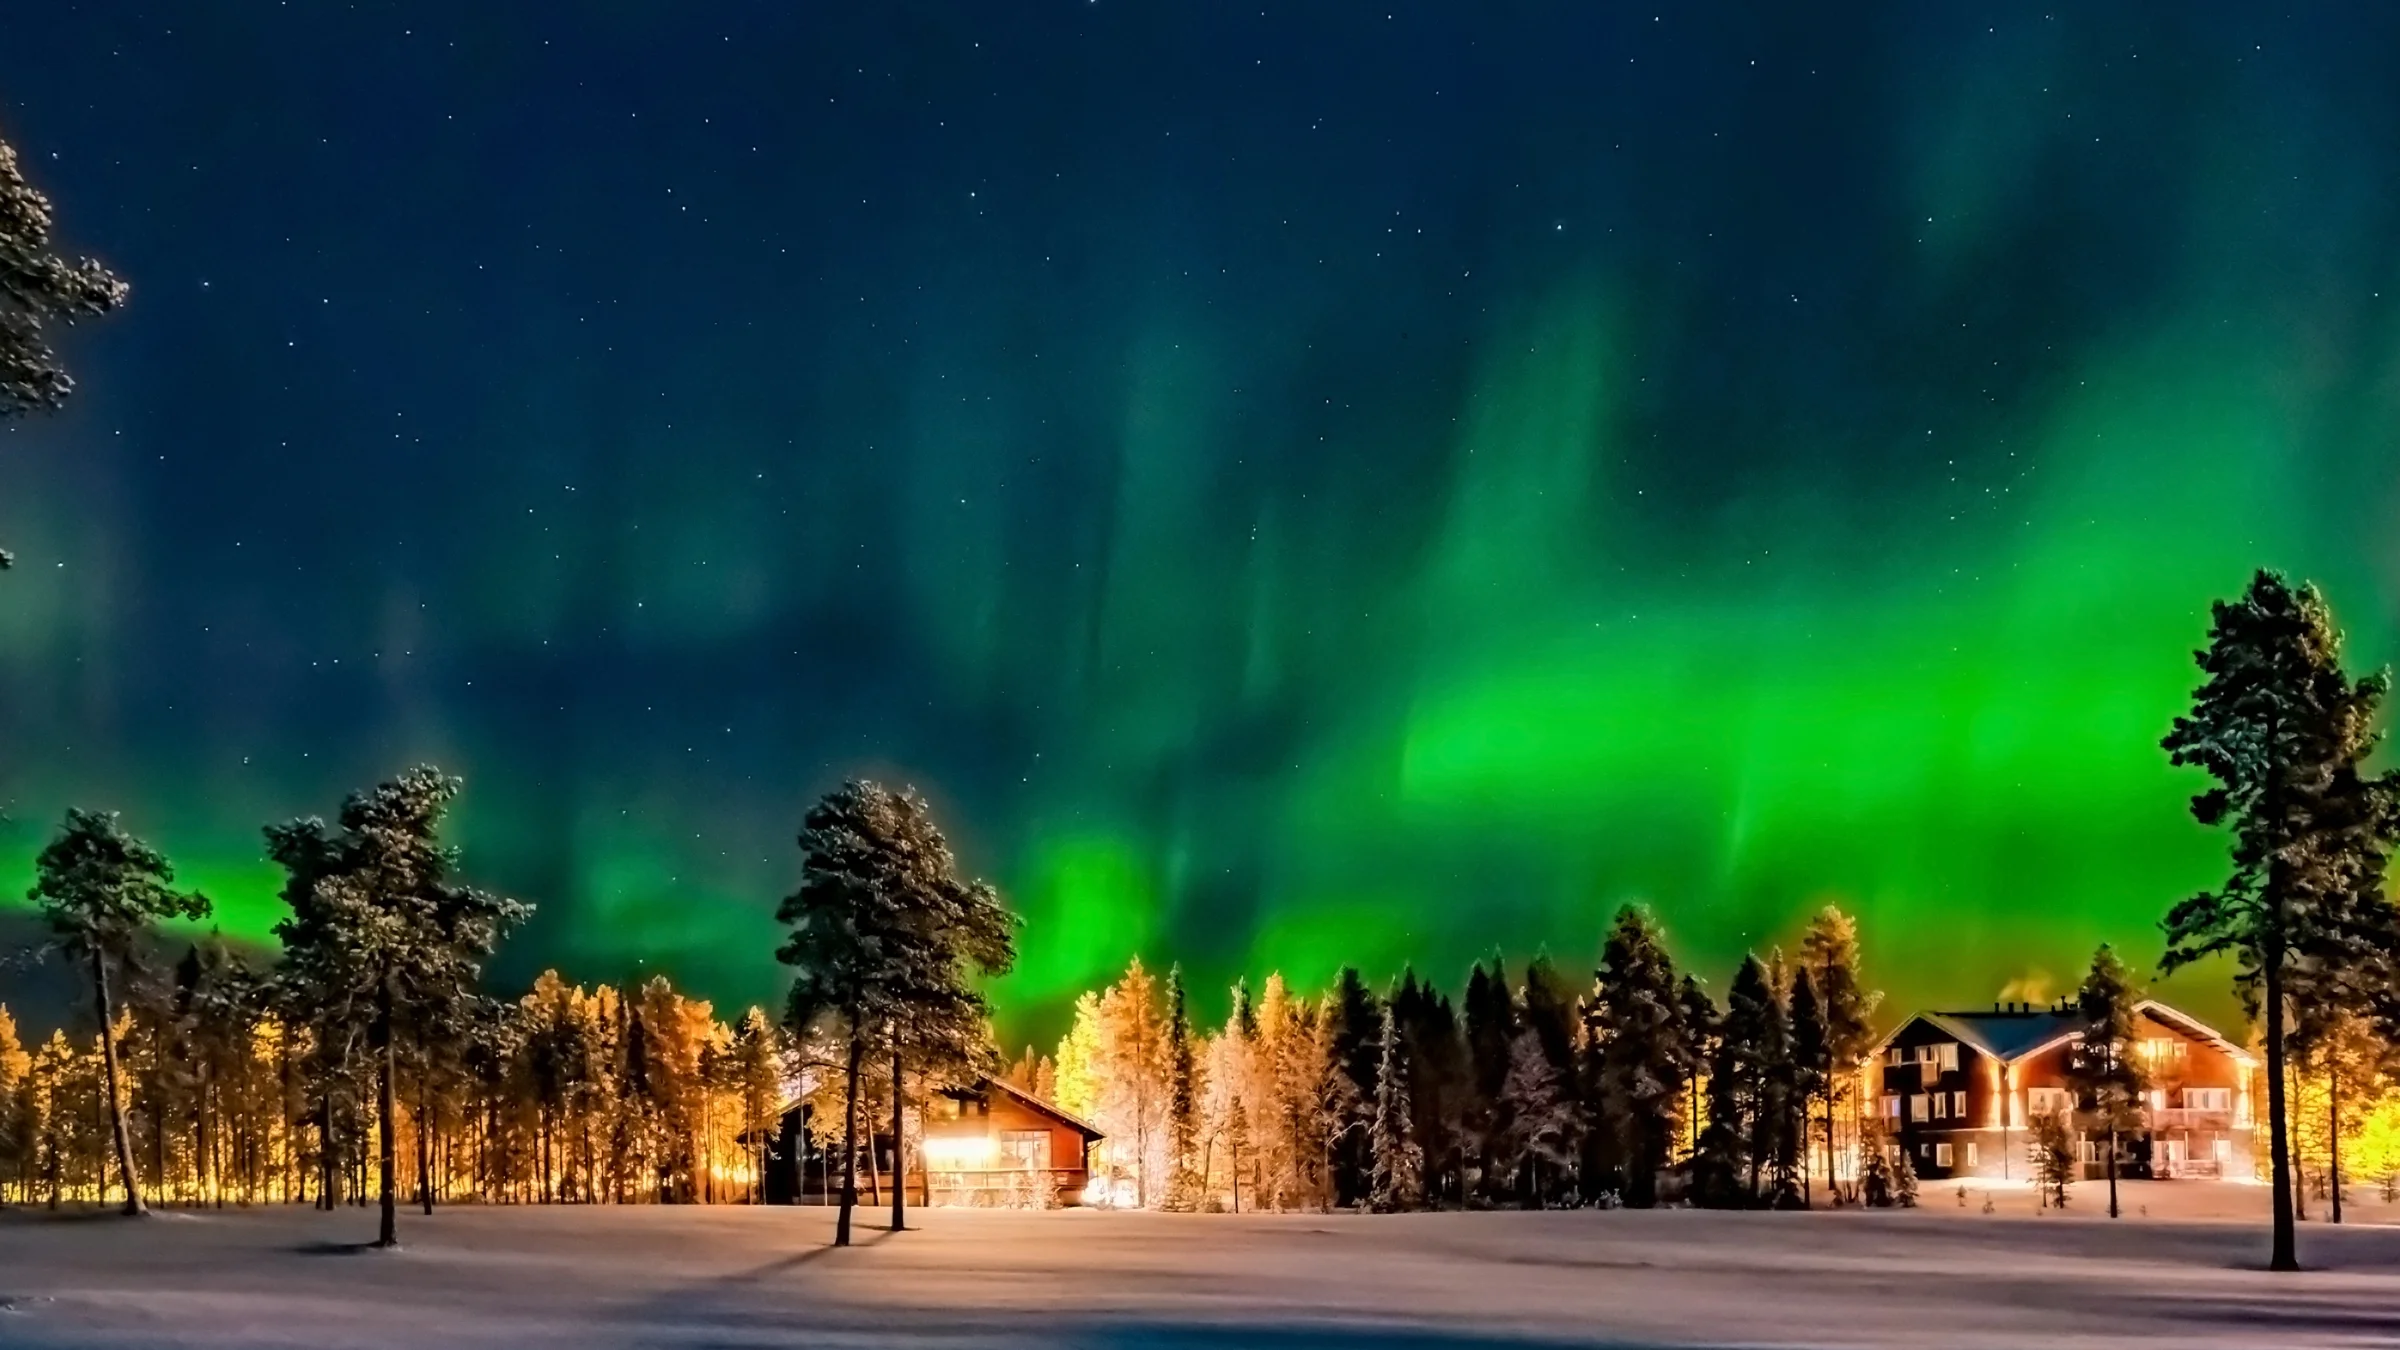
{"x":1335,"y":481}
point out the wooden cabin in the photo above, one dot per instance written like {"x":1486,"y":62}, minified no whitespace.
{"x":1959,"y":1091}
{"x":993,"y":1146}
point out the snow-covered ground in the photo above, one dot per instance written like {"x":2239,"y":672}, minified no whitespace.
{"x":2179,"y":1270}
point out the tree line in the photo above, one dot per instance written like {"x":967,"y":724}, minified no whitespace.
{"x":1531,"y":1089}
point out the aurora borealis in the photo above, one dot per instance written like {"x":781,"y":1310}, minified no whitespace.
{"x":1337,"y":482}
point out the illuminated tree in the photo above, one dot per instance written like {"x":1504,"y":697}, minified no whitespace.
{"x":2101,"y":1066}
{"x":2285,"y":734}
{"x":383,"y":933}
{"x":1640,"y":1056}
{"x":757,"y":1073}
{"x":1542,"y":1123}
{"x":1829,"y":953}
{"x":1396,"y":1170}
{"x":1810,"y":1064}
{"x":38,"y":287}
{"x":1904,"y":1179}
{"x":1077,"y":1072}
{"x":100,"y":890}
{"x":16,"y":1076}
{"x":2051,"y":1148}
{"x":1131,"y":1068}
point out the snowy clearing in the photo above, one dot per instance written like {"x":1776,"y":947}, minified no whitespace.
{"x":1943,"y":1275}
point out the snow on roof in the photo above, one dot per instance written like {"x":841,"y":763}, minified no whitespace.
{"x":2009,"y":1035}
{"x":1045,"y":1107}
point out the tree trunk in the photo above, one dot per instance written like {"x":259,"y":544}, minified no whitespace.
{"x":2112,"y":1169}
{"x":325,"y":1162}
{"x":116,"y":1109}
{"x":424,"y":1144}
{"x":899,"y":1152}
{"x":2282,"y":1254}
{"x":858,"y":1050}
{"x":387,"y":1232}
{"x":2333,"y":1133}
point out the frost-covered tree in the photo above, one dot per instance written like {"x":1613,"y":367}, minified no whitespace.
{"x":2050,"y":1145}
{"x":1829,"y":952}
{"x":1904,"y":1180}
{"x":2101,"y":1067}
{"x":1183,"y":1099}
{"x":1542,"y":1121}
{"x":100,"y":890}
{"x":1640,"y":1055}
{"x":2286,"y":734}
{"x":16,"y":1071}
{"x":757,"y":1072}
{"x":1875,"y":1179}
{"x":383,"y":931}
{"x":887,"y":940}
{"x":1396,"y":1168}
{"x":1131,"y":1068}
{"x":38,"y":287}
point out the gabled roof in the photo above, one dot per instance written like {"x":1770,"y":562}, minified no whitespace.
{"x":2010,"y":1035}
{"x":2007,"y":1036}
{"x":1051,"y":1109}
{"x":2176,"y":1017}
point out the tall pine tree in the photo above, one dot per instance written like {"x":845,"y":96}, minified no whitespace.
{"x":1396,"y":1171}
{"x":2285,"y":734}
{"x":1640,"y":1054}
{"x":2101,"y":1067}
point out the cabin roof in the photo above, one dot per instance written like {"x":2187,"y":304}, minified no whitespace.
{"x":2012,"y":1034}
{"x":1051,"y":1109}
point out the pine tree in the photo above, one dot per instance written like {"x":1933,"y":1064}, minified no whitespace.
{"x":379,"y":928}
{"x":1751,"y":1043}
{"x":1904,"y":1180}
{"x":2101,"y":1066}
{"x":1075,"y":1073}
{"x":16,"y":1139}
{"x":1397,"y":1166}
{"x":2285,"y":733}
{"x":1490,"y":1013}
{"x":1875,"y":1180}
{"x":1542,"y":1123}
{"x":2051,"y":1145}
{"x":1132,"y":1071}
{"x":886,"y":938}
{"x":1354,"y":1025}
{"x":1183,"y":1099}
{"x":758,"y":1076}
{"x":1829,"y":952}
{"x":38,"y":288}
{"x":1811,"y":1066}
{"x":1640,"y":1055}
{"x":100,"y":890}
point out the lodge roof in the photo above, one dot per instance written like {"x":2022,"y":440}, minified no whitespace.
{"x":2009,"y":1032}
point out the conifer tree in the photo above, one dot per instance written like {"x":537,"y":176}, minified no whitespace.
{"x":885,"y":938}
{"x":1490,"y":1013}
{"x":100,"y":890}
{"x":1829,"y":952}
{"x":1751,"y":1044}
{"x":2101,"y":1066}
{"x":380,"y":928}
{"x":1354,"y":1026}
{"x":38,"y":287}
{"x":1542,"y":1123}
{"x":1397,"y":1166}
{"x":16,"y":1072}
{"x":2051,"y":1145}
{"x":1811,"y":1070}
{"x":758,"y":1075}
{"x":1904,"y":1180}
{"x":1132,"y":1072}
{"x":1183,"y":1098}
{"x":2285,"y":734}
{"x":1639,"y":1050}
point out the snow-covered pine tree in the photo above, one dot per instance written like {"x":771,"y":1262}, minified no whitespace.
{"x":2051,"y":1145}
{"x":1829,"y":951}
{"x":1397,"y":1166}
{"x":2286,"y":733}
{"x":38,"y":288}
{"x":1875,"y":1180}
{"x":1183,"y":1099}
{"x":1639,"y":1050}
{"x":381,"y":931}
{"x":2101,"y":1067}
{"x":1904,"y":1181}
{"x":100,"y":890}
{"x":1542,"y":1121}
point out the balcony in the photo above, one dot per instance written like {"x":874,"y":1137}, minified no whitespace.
{"x":2192,"y":1118}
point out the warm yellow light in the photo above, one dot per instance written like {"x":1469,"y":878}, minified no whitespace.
{"x":958,"y":1152}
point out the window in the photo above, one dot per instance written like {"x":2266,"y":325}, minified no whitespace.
{"x":1943,"y":1057}
{"x":1917,"y":1106}
{"x":1958,"y":1105}
{"x":2160,"y":1052}
{"x":1970,"y":1153}
{"x":1895,"y":1056}
{"x":1941,"y":1155}
{"x":2091,"y":1150}
{"x":2047,"y":1101}
{"x":1891,"y":1106}
{"x":1941,"y":1105}
{"x":2221,"y":1149}
{"x":1028,"y":1149}
{"x":2208,"y":1099}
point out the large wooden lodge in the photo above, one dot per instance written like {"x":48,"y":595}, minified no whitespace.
{"x":994,"y":1145}
{"x":1959,"y":1090}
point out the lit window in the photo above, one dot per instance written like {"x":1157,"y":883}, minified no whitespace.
{"x":1941,"y":1155}
{"x":2208,"y":1099}
{"x":1949,"y":1056}
{"x":1970,"y":1153}
{"x":1917,"y":1106}
{"x":1958,"y":1105}
{"x":1891,"y":1106}
{"x":1941,"y":1105}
